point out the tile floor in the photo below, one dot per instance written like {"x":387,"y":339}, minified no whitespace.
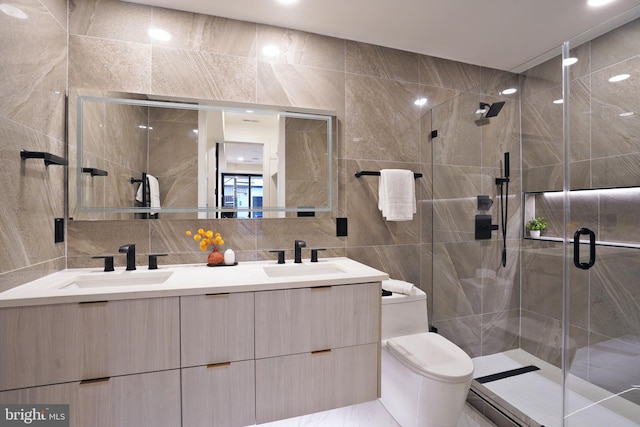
{"x":368,"y":414}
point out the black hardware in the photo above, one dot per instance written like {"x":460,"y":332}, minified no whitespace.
{"x":374,"y":173}
{"x":144,"y":184}
{"x":130,"y":250}
{"x":297,"y":250}
{"x":153,"y":261}
{"x":305,"y":213}
{"x":314,"y":254}
{"x":280,"y":256}
{"x":484,"y":203}
{"x":484,"y":227}
{"x":504,"y":198}
{"x":58,"y":226}
{"x":434,"y":134}
{"x":341,"y":227}
{"x":95,"y":172}
{"x":49,"y":159}
{"x":576,"y":249}
{"x":108,"y":261}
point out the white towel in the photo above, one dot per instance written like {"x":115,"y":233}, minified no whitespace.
{"x":397,"y":286}
{"x":154,"y":193}
{"x":397,"y":194}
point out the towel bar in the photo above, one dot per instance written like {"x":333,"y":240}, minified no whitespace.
{"x":49,"y":159}
{"x":377,"y":173}
{"x":95,"y":172}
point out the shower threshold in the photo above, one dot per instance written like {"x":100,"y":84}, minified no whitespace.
{"x":534,"y":398}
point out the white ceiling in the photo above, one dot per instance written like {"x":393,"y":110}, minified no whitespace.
{"x":509,"y":35}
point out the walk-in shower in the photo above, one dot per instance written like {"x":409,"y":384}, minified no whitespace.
{"x":558,"y":345}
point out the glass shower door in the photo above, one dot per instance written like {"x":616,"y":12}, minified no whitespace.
{"x":602,"y":291}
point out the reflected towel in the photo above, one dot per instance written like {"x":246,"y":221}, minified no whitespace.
{"x":397,"y":286}
{"x":397,"y":194}
{"x":154,"y":192}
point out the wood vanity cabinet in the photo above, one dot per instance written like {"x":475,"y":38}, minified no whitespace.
{"x":316,"y":349}
{"x":218,"y":375}
{"x":114,"y":363}
{"x":206,"y":360}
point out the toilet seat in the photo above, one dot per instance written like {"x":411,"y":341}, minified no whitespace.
{"x":433,"y":356}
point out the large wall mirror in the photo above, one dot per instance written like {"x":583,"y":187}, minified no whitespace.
{"x":137,"y":157}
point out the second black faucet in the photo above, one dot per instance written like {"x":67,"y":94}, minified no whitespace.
{"x":297,"y":250}
{"x":130,"y":250}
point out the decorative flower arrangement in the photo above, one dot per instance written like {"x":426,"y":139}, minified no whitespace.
{"x":206,"y":239}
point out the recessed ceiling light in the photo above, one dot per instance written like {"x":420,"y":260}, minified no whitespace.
{"x":271,"y":50}
{"x":158,"y":34}
{"x":559,"y":101}
{"x":619,"y":78}
{"x":627,"y":114}
{"x":598,"y":3}
{"x":12,"y":11}
{"x":241,"y":159}
{"x":249,"y":111}
{"x":420,"y":101}
{"x":509,"y":91}
{"x":195,"y":131}
{"x":569,"y":61}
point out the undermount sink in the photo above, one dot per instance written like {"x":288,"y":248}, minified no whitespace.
{"x":125,"y":278}
{"x":293,"y":270}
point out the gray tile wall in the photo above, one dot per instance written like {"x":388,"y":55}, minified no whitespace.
{"x":33,"y":88}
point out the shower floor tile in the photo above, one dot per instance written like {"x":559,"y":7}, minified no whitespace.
{"x":538,"y":394}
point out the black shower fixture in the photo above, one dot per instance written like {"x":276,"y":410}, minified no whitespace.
{"x":494,"y":109}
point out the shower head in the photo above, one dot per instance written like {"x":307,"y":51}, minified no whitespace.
{"x":494,"y":109}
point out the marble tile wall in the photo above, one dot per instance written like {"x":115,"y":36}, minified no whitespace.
{"x":33,"y":49}
{"x":306,"y":160}
{"x":476,"y":299}
{"x":604,"y":301}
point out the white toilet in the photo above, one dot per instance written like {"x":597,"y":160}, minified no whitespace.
{"x":425,"y":377}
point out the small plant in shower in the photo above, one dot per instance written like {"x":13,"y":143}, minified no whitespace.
{"x":535,"y":226}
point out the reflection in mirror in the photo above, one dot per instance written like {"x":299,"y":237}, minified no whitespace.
{"x":170,"y":159}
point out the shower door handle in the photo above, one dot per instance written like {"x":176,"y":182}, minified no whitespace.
{"x":576,"y":249}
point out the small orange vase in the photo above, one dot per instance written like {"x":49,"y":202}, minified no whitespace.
{"x":215,"y":257}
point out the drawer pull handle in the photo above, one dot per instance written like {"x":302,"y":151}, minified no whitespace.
{"x":218,"y":365}
{"x":93,"y":303}
{"x":95,"y":380}
{"x":320,"y":288}
{"x":328,"y":350}
{"x":222,"y":294}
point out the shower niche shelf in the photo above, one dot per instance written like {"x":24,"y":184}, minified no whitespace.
{"x":610,"y":212}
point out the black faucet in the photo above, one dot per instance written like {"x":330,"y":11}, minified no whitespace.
{"x":130,"y":250}
{"x":297,"y":250}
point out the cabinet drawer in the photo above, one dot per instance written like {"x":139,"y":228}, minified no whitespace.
{"x":289,"y":386}
{"x":151,"y":399}
{"x":308,"y":319}
{"x":219,"y":395}
{"x":69,"y":342}
{"x":217,"y":328}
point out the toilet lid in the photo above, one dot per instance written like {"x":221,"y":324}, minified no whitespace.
{"x":432,"y":355}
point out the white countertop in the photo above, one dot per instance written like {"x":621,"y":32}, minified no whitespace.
{"x":188,"y":279}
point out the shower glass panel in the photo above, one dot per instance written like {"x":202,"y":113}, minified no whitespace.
{"x":556,"y":332}
{"x":602,"y":333}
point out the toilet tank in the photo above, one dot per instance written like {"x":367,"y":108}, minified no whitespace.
{"x":404,"y":314}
